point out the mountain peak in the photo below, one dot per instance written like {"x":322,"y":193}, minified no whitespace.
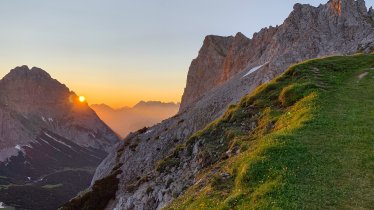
{"x":348,"y":7}
{"x":336,"y":5}
{"x":28,"y":90}
{"x":344,"y":9}
{"x":23,"y":72}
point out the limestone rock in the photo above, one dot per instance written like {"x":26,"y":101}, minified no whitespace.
{"x":338,"y":27}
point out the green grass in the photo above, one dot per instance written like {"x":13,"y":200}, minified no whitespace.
{"x":100,"y":194}
{"x":312,"y":147}
{"x":5,"y":187}
{"x":8,"y":208}
{"x":52,"y":186}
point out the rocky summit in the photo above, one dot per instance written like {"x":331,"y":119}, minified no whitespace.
{"x":336,"y":28}
{"x":50,"y":143}
{"x":147,"y":171}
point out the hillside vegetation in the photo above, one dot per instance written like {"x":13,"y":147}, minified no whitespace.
{"x":311,"y":146}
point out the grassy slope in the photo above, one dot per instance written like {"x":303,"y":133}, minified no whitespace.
{"x":313,"y":147}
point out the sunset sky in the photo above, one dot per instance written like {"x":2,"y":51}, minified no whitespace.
{"x":120,"y":52}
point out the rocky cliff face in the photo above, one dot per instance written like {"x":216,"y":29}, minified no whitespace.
{"x":338,"y":27}
{"x":45,"y":133}
{"x":226,"y":69}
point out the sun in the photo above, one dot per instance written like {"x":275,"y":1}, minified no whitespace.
{"x":82,"y":99}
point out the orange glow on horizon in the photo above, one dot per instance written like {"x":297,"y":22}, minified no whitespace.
{"x":116,"y":97}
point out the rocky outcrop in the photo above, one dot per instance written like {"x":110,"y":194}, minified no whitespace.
{"x":211,"y":56}
{"x":46,"y":137}
{"x":226,"y":69}
{"x":339,"y":27}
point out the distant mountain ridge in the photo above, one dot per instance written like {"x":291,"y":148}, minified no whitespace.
{"x":155,"y":104}
{"x":130,"y":119}
{"x":46,"y":138}
{"x":139,"y":104}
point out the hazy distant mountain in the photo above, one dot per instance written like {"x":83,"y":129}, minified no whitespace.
{"x":129,"y":119}
{"x":50,"y":143}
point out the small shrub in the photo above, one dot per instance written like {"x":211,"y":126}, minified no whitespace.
{"x":133,"y":147}
{"x":143,"y":130}
{"x":177,"y":150}
{"x":233,"y":201}
{"x":120,"y":152}
{"x":168,"y":183}
{"x":118,"y":166}
{"x":220,"y":183}
{"x":149,"y":190}
{"x":131,"y":188}
{"x":168,"y":162}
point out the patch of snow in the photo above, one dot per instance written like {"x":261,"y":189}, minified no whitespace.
{"x":18,"y":147}
{"x":44,"y":141}
{"x":29,"y":146}
{"x":29,"y":178}
{"x":2,"y":205}
{"x":254,"y":69}
{"x":61,"y":142}
{"x":50,"y":144}
{"x":50,"y":119}
{"x":6,"y":153}
{"x":38,"y":180}
{"x":43,"y":118}
{"x":149,"y":131}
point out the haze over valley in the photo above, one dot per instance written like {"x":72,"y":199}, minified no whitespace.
{"x":130,"y":119}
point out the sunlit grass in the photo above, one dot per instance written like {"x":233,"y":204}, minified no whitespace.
{"x":312,"y":147}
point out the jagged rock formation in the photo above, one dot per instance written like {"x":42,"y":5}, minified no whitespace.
{"x":46,"y":134}
{"x":226,"y":69}
{"x":339,"y":27}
